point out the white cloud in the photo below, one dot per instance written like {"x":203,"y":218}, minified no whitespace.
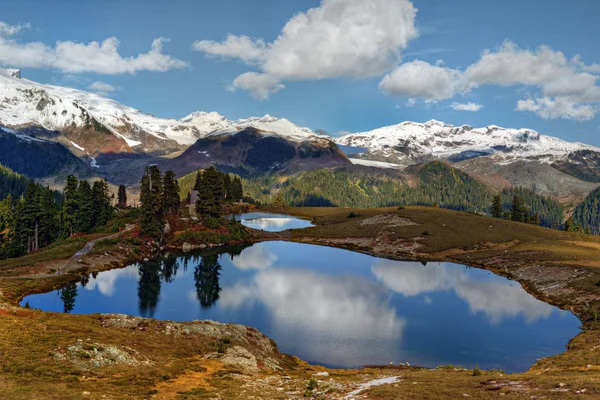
{"x":72,"y":57}
{"x":260,"y":86}
{"x":419,"y":79}
{"x":10,"y":30}
{"x":256,"y":257}
{"x":567,"y":88}
{"x":105,"y":282}
{"x":466,"y":106}
{"x":104,"y":58}
{"x":102,"y":88}
{"x":242,"y":47}
{"x":494,"y":298}
{"x":347,"y":319}
{"x":559,"y":107}
{"x":340,"y":38}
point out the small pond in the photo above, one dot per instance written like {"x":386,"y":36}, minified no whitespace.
{"x":336,"y":307}
{"x":272,"y":222}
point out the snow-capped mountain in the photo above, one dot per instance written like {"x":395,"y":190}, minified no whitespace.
{"x":410,"y":142}
{"x":84,"y":117}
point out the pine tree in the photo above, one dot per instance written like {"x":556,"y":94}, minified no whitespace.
{"x":102,"y":203}
{"x":170,"y":195}
{"x":517,"y":212}
{"x":6,"y":206}
{"x":228,"y":185}
{"x":497,"y":207}
{"x":198,"y":183}
{"x":237,"y":191}
{"x":150,"y":202}
{"x":211,"y":194}
{"x":122,"y":196}
{"x":85,"y":212}
{"x":70,"y":205}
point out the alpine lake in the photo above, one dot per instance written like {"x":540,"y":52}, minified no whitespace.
{"x":334,"y":307}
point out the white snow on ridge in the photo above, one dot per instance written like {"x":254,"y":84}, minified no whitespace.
{"x":369,"y":163}
{"x":54,"y":107}
{"x":442,"y":140}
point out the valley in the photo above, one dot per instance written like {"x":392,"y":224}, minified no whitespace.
{"x":382,"y":212}
{"x":183,"y":359}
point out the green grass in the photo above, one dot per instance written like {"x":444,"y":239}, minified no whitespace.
{"x":61,"y":249}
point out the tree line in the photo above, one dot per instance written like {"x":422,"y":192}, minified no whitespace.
{"x":39,"y":217}
{"x":586,"y":216}
{"x":437,"y":184}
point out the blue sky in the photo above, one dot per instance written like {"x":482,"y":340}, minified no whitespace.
{"x":340,"y":85}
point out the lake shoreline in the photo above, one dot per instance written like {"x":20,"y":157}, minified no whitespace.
{"x":560,"y":364}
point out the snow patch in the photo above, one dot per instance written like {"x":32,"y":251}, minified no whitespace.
{"x":77,"y":146}
{"x":367,"y":385}
{"x":377,"y":164}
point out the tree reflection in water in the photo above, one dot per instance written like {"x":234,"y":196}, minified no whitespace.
{"x":207,"y":271}
{"x":149,"y":287}
{"x":206,"y":278}
{"x":68,"y":295}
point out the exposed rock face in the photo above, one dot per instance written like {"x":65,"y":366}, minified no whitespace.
{"x":242,"y":346}
{"x":15,"y":73}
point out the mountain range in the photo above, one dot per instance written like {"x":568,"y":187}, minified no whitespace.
{"x":116,"y":142}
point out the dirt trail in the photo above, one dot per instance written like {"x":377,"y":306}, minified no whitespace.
{"x":89,"y":246}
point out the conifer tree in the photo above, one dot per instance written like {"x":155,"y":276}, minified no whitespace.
{"x":211,"y":194}
{"x":227,"y":183}
{"x":237,"y":189}
{"x":70,"y":205}
{"x":122,"y":196}
{"x":150,"y":202}
{"x":85,"y":212}
{"x":103,"y":209}
{"x":517,"y":212}
{"x":170,"y":195}
{"x":497,"y":207}
{"x":6,"y":212}
{"x":198,"y":183}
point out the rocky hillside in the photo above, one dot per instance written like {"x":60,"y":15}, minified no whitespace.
{"x":25,"y":153}
{"x":519,"y":157}
{"x":251,"y":151}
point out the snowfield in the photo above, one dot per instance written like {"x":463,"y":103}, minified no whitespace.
{"x":25,"y":102}
{"x":442,"y":140}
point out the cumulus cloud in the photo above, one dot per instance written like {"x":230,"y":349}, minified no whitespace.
{"x":256,"y":257}
{"x":104,"y":58}
{"x":72,"y":57}
{"x":260,"y":86}
{"x":340,"y":38}
{"x":419,"y":79}
{"x":347,"y":320}
{"x":10,"y":30}
{"x":243,"y":47}
{"x":560,"y":107}
{"x":494,"y":298}
{"x":466,"y":106}
{"x":567,"y":87}
{"x":102,"y":88}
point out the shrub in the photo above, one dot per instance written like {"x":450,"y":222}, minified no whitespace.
{"x":352,"y":215}
{"x":211,"y":223}
{"x":476,"y":371}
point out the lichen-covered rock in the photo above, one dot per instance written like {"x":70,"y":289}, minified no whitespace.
{"x":240,"y":357}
